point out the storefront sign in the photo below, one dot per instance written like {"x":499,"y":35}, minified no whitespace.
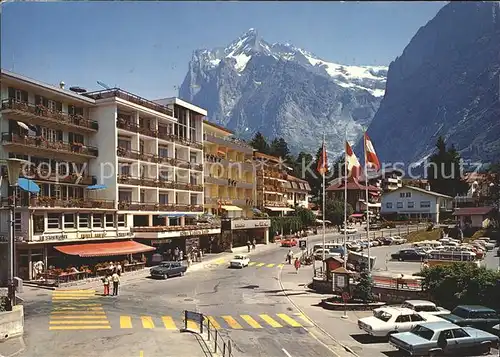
{"x":161,"y":241}
{"x":124,"y":234}
{"x":92,"y":235}
{"x":49,"y":237}
{"x":197,"y":232}
{"x":251,"y":223}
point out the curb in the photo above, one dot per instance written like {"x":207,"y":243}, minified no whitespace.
{"x":347,"y":348}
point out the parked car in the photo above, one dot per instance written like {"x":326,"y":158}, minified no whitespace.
{"x":425,"y":306}
{"x":168,"y":269}
{"x":375,"y":226}
{"x":487,"y":244}
{"x":476,"y":316}
{"x":353,"y":246}
{"x":318,"y":254}
{"x":289,"y":242}
{"x":387,"y":240}
{"x":398,"y":240}
{"x":239,"y":261}
{"x":349,"y":230}
{"x":388,"y":320}
{"x":443,"y":338}
{"x":409,"y":255}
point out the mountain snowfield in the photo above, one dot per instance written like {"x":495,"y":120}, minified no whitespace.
{"x":285,"y":91}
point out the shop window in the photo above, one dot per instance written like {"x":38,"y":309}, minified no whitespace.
{"x":17,"y":222}
{"x":121,"y":220}
{"x":97,"y":220}
{"x":69,"y":220}
{"x":110,"y":221}
{"x":84,"y":220}
{"x":53,"y":221}
{"x":38,"y":224}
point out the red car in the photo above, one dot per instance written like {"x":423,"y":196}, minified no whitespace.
{"x":289,"y":242}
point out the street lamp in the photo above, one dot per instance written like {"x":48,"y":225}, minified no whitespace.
{"x":13,"y":171}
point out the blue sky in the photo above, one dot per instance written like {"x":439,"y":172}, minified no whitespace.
{"x":145,"y":47}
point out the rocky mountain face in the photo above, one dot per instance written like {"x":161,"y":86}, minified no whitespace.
{"x":446,"y":83}
{"x":283,"y":91}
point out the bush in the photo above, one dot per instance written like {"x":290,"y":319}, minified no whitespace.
{"x":462,"y":283}
{"x":363,"y":290}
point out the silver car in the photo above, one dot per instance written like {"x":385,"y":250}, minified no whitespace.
{"x":443,"y":338}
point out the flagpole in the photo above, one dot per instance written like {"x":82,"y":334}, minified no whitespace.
{"x":367,"y":210}
{"x":346,"y":255}
{"x":324,"y":199}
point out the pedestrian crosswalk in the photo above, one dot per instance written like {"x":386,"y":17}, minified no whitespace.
{"x":256,"y":264}
{"x":235,"y":322}
{"x":77,"y":310}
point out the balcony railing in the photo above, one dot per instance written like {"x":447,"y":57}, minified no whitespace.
{"x":270,"y":188}
{"x":46,"y":175}
{"x":154,"y":206}
{"x":48,"y":116}
{"x":71,"y":203}
{"x":137,"y":155}
{"x":40,"y":143}
{"x":126,"y":125}
{"x":228,"y":201}
{"x":271,"y":174}
{"x":275,"y":204}
{"x":175,"y":228}
{"x":151,"y":182}
{"x":233,"y":143}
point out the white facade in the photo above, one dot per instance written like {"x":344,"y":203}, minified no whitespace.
{"x":415,"y":203}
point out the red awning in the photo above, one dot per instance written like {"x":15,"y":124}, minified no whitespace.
{"x":104,"y":249}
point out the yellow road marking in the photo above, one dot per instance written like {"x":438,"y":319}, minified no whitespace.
{"x":281,"y":265}
{"x":79,"y":311}
{"x":304,"y":318}
{"x":272,"y":322}
{"x":192,"y":325}
{"x":99,"y":317}
{"x":270,"y":265}
{"x":77,"y":322}
{"x":59,"y":303}
{"x":141,"y":353}
{"x":261,"y":264}
{"x":232,"y":322}
{"x":74,"y":291}
{"x":169,"y":323}
{"x":125,"y":322}
{"x":289,"y":320}
{"x":147,"y":322}
{"x":219,"y":261}
{"x":79,"y":327}
{"x":72,"y":297}
{"x":249,"y":320}
{"x":251,"y":263}
{"x":65,"y":308}
{"x":213,"y":322}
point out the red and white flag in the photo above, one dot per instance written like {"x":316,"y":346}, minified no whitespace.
{"x":371,"y":159}
{"x":323,"y":161}
{"x":353,"y":165}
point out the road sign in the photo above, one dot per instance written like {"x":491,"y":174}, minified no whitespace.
{"x":302,"y":244}
{"x":345,"y":296}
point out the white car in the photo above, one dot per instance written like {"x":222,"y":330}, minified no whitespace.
{"x":398,"y":240}
{"x":349,"y":230}
{"x":487,"y":244}
{"x":425,"y":306}
{"x":239,"y":261}
{"x":388,"y":320}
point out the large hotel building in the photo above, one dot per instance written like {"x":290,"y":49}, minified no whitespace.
{"x":120,"y":176}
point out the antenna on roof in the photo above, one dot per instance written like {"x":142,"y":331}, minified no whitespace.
{"x":104,"y":85}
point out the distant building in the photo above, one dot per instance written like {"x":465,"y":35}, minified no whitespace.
{"x":475,"y":217}
{"x":356,"y":194}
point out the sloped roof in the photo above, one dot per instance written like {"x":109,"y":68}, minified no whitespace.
{"x":418,"y":189}
{"x":473,"y":211}
{"x":351,"y":185}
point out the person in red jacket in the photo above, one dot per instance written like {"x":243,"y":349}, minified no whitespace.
{"x":297,"y":265}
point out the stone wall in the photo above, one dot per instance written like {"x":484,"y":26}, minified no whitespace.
{"x":12,"y":323}
{"x":393,"y":296}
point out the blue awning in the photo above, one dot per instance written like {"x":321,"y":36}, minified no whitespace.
{"x":28,"y":185}
{"x":97,"y":187}
{"x":177,"y":215}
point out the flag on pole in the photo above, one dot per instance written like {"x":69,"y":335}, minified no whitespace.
{"x":353,"y":165}
{"x":371,"y":158}
{"x":323,"y":162}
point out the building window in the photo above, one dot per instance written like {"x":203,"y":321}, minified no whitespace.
{"x":69,"y":220}
{"x":162,"y":151}
{"x":425,"y":204}
{"x":17,"y":222}
{"x":53,"y":221}
{"x":124,"y":169}
{"x":18,"y":95}
{"x":84,"y":220}
{"x":125,"y":196}
{"x":110,"y":221}
{"x":72,"y":110}
{"x":399,"y":205}
{"x":408,"y":194}
{"x":125,"y":144}
{"x":163,"y":199}
{"x":121,"y":220}
{"x":194,"y":199}
{"x":388,"y":205}
{"x":192,"y":157}
{"x":402,"y":194}
{"x":164,"y":175}
{"x":411,"y":204}
{"x":97,"y":220}
{"x":38,"y":224}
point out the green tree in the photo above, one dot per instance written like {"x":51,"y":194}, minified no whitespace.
{"x":300,"y":166}
{"x":338,"y":168}
{"x":306,"y":216}
{"x":260,"y":144}
{"x":316,"y":179}
{"x":334,"y":211}
{"x":279,"y":148}
{"x":363,"y":290}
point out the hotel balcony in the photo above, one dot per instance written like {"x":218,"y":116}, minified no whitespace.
{"x":155,"y":206}
{"x":40,"y":115}
{"x":46,"y":175}
{"x":58,"y":149}
{"x":271,"y":174}
{"x":231,"y":143}
{"x":245,"y":166}
{"x":52,"y":202}
{"x":222,"y":181}
{"x":268,"y":203}
{"x":151,"y":182}
{"x":134,"y":128}
{"x":228,"y":201}
{"x":137,"y":155}
{"x":273,"y":189}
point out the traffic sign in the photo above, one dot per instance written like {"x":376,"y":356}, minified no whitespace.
{"x":345,"y":296}
{"x":302,"y":244}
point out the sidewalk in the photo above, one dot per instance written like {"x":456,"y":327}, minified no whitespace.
{"x":330,"y":322}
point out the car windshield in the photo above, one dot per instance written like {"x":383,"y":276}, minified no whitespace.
{"x":423,"y":332}
{"x":426,"y":308}
{"x":239,"y":257}
{"x":382,"y":315}
{"x":460,"y":312}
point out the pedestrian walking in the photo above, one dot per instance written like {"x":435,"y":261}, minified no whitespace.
{"x":254,"y":243}
{"x":119,"y":269}
{"x":116,"y":281}
{"x":290,"y":256}
{"x":105,"y":282}
{"x":248,"y":245}
{"x":297,"y":265}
